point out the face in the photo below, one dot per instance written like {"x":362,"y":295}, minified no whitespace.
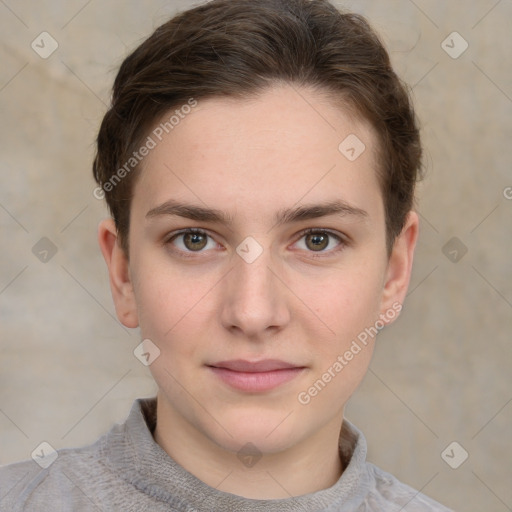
{"x":257,"y":260}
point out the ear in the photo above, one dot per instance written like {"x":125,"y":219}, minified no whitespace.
{"x":118,"y":269}
{"x":399,"y":267}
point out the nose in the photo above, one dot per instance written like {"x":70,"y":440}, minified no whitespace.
{"x":254,"y":302}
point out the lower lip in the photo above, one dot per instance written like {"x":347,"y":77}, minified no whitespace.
{"x":257,"y":381}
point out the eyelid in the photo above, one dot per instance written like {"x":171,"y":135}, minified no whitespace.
{"x":171,"y":236}
{"x":333,"y":233}
{"x":343,"y":241}
{"x":167,"y":241}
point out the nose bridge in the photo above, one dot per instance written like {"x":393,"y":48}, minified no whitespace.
{"x":254,"y":300}
{"x":253,"y":280}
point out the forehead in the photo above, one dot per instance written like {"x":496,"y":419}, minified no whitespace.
{"x":284,"y":146}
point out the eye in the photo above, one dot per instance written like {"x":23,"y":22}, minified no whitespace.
{"x":192,"y":240}
{"x":317,"y":240}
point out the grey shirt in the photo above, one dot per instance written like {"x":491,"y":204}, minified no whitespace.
{"x":126,"y":470}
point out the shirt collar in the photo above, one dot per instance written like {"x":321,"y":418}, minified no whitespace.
{"x":133,"y":454}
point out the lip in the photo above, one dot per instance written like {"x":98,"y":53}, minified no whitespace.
{"x":257,"y":376}
{"x":265,"y":365}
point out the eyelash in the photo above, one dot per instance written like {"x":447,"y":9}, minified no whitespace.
{"x":342,"y":242}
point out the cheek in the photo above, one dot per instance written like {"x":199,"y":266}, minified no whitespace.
{"x":345,"y":310}
{"x":153,"y":296}
{"x":173,"y":307}
{"x":343,"y":303}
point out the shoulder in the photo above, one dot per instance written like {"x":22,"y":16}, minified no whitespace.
{"x":388,"y":492}
{"x":105,"y":475}
{"x":63,"y":484}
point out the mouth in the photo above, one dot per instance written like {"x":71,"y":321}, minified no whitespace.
{"x":254,"y":377}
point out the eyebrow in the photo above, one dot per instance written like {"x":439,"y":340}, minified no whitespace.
{"x":284,"y":216}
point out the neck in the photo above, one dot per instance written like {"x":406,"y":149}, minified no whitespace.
{"x":311,"y":465}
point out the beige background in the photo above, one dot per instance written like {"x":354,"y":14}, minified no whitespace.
{"x":440,"y":374}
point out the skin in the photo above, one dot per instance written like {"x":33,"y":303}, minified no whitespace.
{"x":251,"y":159}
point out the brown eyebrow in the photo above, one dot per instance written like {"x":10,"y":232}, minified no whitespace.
{"x":189,"y":211}
{"x":284,"y":216}
{"x":318,"y":210}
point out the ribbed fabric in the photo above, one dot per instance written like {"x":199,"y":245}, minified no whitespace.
{"x":126,"y":470}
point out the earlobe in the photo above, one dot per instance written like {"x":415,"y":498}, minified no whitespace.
{"x":399,"y":267}
{"x":118,"y":268}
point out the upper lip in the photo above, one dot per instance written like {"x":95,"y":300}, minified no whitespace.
{"x":267,"y":365}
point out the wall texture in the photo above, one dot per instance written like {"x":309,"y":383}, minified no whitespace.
{"x":441,"y":374}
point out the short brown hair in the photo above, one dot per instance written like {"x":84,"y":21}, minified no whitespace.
{"x":238,"y":48}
